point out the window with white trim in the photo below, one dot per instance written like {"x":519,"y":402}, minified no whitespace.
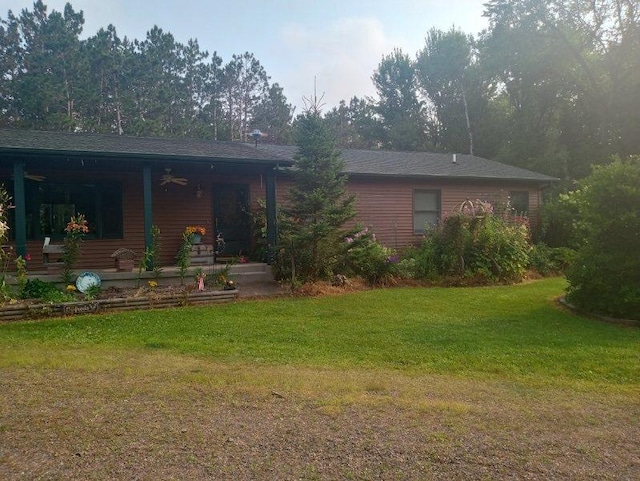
{"x":426,"y":209}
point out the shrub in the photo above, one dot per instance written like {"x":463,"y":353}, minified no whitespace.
{"x":487,"y":247}
{"x":605,"y":278}
{"x":550,"y":260}
{"x":559,"y":222}
{"x":45,"y":291}
{"x":367,"y":258}
{"x":406,"y":268}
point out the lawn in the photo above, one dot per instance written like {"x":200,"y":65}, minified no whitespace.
{"x":402,"y":383}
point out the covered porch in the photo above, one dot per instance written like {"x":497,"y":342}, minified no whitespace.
{"x":127,"y":188}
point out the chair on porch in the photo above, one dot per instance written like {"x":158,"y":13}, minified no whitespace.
{"x":52,"y":256}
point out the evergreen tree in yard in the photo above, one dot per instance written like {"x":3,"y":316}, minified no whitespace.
{"x":318,"y":205}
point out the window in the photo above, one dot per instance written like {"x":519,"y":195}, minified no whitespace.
{"x":426,"y":209}
{"x":50,"y":205}
{"x":519,"y":202}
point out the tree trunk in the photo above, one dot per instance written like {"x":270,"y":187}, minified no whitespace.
{"x":466,"y":115}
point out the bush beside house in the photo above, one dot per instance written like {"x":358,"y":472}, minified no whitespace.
{"x":605,"y":277}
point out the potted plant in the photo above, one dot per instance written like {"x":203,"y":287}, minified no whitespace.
{"x":198,"y":231}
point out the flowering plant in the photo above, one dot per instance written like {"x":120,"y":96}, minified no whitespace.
{"x":77,"y":226}
{"x":195,"y":229}
{"x":367,"y":258}
{"x":73,"y":236}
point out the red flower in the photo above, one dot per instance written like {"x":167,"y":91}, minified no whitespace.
{"x":27,"y":257}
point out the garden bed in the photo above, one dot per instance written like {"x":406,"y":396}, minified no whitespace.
{"x":127,"y":302}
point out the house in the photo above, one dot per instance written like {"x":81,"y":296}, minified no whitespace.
{"x":126,"y":185}
{"x":399,"y":193}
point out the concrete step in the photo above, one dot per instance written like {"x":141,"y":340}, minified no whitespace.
{"x":251,"y":273}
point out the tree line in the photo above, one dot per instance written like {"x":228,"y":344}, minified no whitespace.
{"x":50,"y":79}
{"x":551,"y":85}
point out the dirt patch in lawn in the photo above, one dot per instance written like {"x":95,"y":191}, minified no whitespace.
{"x":161,"y":416}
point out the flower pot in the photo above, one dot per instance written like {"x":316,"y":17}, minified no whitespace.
{"x":197,"y":238}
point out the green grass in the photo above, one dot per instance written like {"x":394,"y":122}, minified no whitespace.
{"x":515,"y":333}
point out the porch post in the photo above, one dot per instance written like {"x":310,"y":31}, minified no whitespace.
{"x":148,"y":209}
{"x":20,"y":208}
{"x":272,"y":224}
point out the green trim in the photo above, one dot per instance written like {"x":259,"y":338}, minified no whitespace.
{"x":272,"y":223}
{"x":20,"y":208}
{"x":148,"y":209}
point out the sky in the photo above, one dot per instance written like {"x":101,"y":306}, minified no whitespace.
{"x":330,"y":47}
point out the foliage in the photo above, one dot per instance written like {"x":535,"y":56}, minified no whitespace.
{"x":487,"y":247}
{"x":606,"y":275}
{"x":222,"y":277}
{"x":92,"y":292}
{"x":258,"y":219}
{"x":399,"y":108}
{"x":21,"y":272}
{"x":52,"y":79}
{"x":318,"y":207}
{"x":5,"y":201}
{"x":367,"y":258}
{"x":550,"y":260}
{"x":183,"y":257}
{"x":560,"y":224}
{"x":274,"y":115}
{"x":45,"y":291}
{"x":75,"y":232}
{"x":446,"y":73}
{"x":356,"y":125}
{"x":150,"y":259}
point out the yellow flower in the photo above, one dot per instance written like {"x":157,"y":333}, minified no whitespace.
{"x":196,"y":229}
{"x":153,"y":284}
{"x":71,"y":287}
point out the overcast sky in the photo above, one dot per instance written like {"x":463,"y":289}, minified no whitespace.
{"x":338,"y":42}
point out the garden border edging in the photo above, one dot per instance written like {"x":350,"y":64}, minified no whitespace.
{"x":19,"y":312}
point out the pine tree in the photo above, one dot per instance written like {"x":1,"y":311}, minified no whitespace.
{"x":318,"y":203}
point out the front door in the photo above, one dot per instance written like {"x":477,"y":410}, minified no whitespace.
{"x":232,"y":220}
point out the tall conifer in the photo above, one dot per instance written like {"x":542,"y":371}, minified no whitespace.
{"x":318,"y":203}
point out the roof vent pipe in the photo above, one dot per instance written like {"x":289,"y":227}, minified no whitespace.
{"x":455,"y":158}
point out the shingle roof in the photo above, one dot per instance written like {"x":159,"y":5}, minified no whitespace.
{"x":421,"y":164}
{"x":35,"y":141}
{"x":357,"y":162}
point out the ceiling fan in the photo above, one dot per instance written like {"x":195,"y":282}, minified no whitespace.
{"x":168,"y":178}
{"x":35,"y":177}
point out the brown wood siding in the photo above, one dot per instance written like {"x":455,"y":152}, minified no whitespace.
{"x":386,"y":205}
